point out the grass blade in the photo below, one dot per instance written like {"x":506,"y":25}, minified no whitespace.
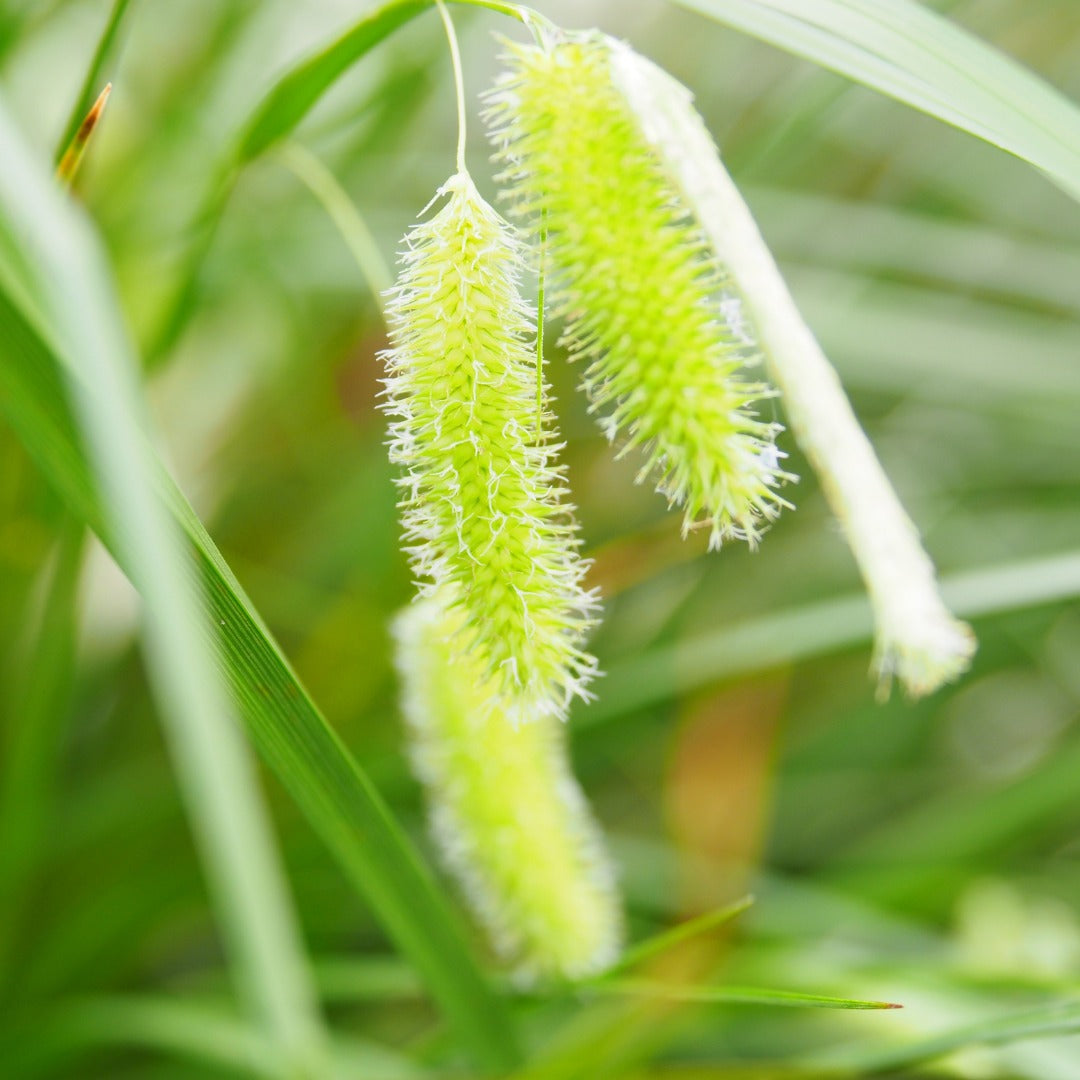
{"x":676,"y":935}
{"x":730,"y":995}
{"x":29,"y":764}
{"x":290,"y":733}
{"x":292,"y":96}
{"x":93,"y":79}
{"x":73,"y":155}
{"x":916,"y":56}
{"x":71,"y":282}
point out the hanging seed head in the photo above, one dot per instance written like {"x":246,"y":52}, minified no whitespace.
{"x":646,"y":302}
{"x":486,"y":518}
{"x":917,"y":640}
{"x":509,"y":819}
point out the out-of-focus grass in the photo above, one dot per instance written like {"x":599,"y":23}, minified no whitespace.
{"x":925,"y":854}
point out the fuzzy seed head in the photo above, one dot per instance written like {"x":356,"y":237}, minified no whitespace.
{"x":486,"y":516}
{"x":648,"y":307}
{"x":507,"y":815}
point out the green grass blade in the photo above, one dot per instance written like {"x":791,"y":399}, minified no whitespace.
{"x":34,"y":730}
{"x":676,"y":935}
{"x":291,"y":98}
{"x":72,"y":157}
{"x":292,"y":736}
{"x":94,"y":79}
{"x":730,"y":995}
{"x":916,"y":56}
{"x":70,"y":279}
{"x":814,"y":630}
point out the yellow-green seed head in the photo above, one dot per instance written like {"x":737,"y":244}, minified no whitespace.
{"x":646,"y":303}
{"x":485,"y":511}
{"x":507,"y":815}
{"x":917,"y":639}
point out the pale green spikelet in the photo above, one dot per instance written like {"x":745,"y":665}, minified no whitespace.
{"x":508,"y":817}
{"x":646,"y":302}
{"x":918,"y":639}
{"x":485,"y":511}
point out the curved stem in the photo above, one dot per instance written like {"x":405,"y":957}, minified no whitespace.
{"x":525,"y":15}
{"x":459,"y":83}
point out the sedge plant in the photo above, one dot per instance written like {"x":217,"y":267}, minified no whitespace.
{"x":622,"y":198}
{"x":659,"y":280}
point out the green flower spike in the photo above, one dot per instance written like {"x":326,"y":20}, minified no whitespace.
{"x":918,"y":640}
{"x":507,"y":815}
{"x":645,"y":300}
{"x":485,"y":514}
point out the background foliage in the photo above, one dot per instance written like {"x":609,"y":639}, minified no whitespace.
{"x":922,"y":854}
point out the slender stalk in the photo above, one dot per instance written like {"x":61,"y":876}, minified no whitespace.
{"x":459,"y":83}
{"x":354,"y":230}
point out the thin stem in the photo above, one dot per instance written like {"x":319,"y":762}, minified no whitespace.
{"x":459,"y":83}
{"x":354,"y":230}
{"x":525,"y":15}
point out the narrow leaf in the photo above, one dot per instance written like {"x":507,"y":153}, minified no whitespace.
{"x":93,"y":79}
{"x":916,"y":56}
{"x":292,"y":96}
{"x":676,"y":935}
{"x":65,"y":271}
{"x":731,"y":995}
{"x":73,"y":155}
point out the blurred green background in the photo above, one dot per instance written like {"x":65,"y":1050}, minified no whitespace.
{"x":926,"y":854}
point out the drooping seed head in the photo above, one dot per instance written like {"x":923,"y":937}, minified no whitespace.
{"x":507,"y":815}
{"x":918,"y":640}
{"x":646,"y":302}
{"x":486,"y":517}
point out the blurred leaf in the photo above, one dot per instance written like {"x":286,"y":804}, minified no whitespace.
{"x":293,"y":95}
{"x":783,"y":637}
{"x":30,"y":762}
{"x":916,"y":56}
{"x":875,"y":238}
{"x":288,"y":730}
{"x":66,"y":273}
{"x":202,"y":1034}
